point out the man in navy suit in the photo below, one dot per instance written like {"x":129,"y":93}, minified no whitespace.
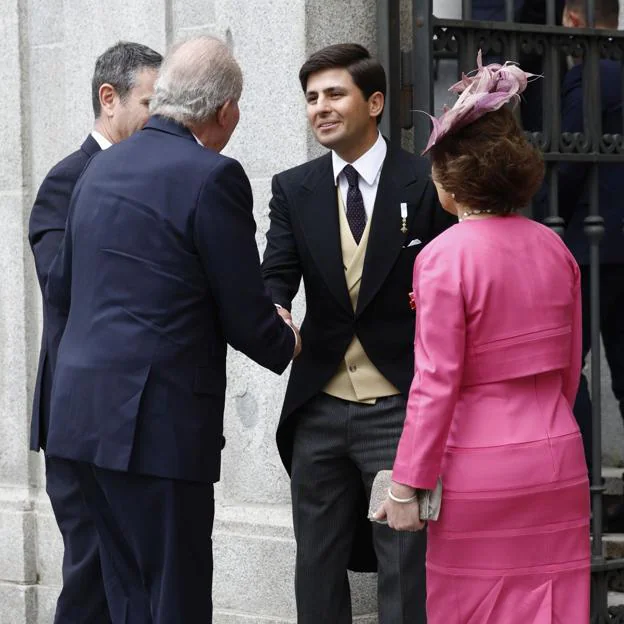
{"x":491,"y":10}
{"x":122,"y":85}
{"x":574,"y":198}
{"x":158,"y":273}
{"x":574,"y":208}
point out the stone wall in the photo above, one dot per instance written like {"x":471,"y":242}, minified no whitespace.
{"x":48,"y":49}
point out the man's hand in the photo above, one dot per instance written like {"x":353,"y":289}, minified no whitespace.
{"x":287,"y":318}
{"x":284,"y":313}
{"x":297,"y":336}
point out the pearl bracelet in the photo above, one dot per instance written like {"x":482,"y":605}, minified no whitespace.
{"x":402,"y":501}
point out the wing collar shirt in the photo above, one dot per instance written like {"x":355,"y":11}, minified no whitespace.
{"x":102,"y":141}
{"x":368,"y":166}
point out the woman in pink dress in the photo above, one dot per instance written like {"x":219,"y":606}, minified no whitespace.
{"x":498,"y":356}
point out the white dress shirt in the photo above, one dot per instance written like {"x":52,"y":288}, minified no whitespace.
{"x":368,"y":166}
{"x":102,"y":141}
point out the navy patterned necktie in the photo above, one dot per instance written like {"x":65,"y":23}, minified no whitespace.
{"x":356,"y":215}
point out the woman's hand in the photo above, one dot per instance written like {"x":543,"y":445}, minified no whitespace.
{"x":401,"y":516}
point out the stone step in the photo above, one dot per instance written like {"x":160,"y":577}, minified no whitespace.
{"x":615,"y":599}
{"x":613,"y":548}
{"x":615,"y":603}
{"x":614,"y":485}
{"x":613,"y":545}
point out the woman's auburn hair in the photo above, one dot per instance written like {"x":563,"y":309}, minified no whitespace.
{"x":489,"y":164}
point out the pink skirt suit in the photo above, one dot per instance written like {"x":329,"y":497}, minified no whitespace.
{"x":498,"y":357}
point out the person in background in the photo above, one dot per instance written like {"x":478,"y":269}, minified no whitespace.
{"x":491,"y":10}
{"x":574,"y":199}
{"x":531,"y":106}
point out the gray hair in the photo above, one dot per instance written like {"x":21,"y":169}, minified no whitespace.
{"x":119,"y":66}
{"x":197,"y":77}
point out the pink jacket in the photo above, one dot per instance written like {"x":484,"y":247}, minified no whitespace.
{"x":496,"y":299}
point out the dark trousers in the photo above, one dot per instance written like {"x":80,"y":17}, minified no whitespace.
{"x":155,"y":543}
{"x":612,"y":330}
{"x":83,"y":598}
{"x":338,"y":447}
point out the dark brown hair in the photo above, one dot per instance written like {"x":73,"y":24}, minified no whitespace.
{"x":367,"y":73}
{"x":489,"y":164}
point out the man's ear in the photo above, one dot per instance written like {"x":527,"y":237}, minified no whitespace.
{"x":108,"y":98}
{"x":573,"y":19}
{"x":224,"y":112}
{"x":376,"y":104}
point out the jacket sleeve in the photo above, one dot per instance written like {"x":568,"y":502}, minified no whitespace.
{"x":439,"y":363}
{"x":225,"y":237}
{"x":57,"y":289}
{"x":572,"y":375}
{"x":281,"y":267}
{"x":47,"y":219}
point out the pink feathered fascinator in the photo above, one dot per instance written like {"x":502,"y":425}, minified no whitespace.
{"x":486,"y":90}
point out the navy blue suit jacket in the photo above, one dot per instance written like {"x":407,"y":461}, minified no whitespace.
{"x":45,"y":233}
{"x":574,"y":177}
{"x":161,"y":267}
{"x":491,"y":10}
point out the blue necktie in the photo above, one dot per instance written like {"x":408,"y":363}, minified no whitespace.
{"x":356,"y":215}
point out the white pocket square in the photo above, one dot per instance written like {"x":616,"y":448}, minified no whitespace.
{"x":415,"y":241}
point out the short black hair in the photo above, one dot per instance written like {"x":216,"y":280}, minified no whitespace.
{"x":118,"y":66}
{"x":606,"y":12}
{"x":367,"y":73}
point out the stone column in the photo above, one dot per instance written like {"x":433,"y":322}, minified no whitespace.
{"x":17,"y":520}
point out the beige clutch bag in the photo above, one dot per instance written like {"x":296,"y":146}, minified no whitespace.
{"x":429,"y":501}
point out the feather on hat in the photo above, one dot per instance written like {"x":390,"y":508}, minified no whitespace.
{"x":488,"y":89}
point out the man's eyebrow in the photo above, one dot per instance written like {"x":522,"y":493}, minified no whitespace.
{"x":329,"y":89}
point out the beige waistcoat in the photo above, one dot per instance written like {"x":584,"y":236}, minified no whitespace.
{"x":357,"y":378}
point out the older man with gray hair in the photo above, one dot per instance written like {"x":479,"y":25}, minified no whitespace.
{"x":161,"y":263}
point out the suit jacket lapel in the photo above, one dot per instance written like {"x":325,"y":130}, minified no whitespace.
{"x":386,"y":238}
{"x":318,"y":212}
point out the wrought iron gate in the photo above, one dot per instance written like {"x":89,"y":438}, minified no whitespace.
{"x":411,"y":88}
